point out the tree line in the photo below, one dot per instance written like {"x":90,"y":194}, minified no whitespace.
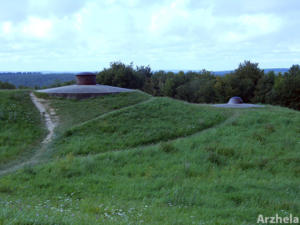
{"x":248,"y":81}
{"x":35,"y":80}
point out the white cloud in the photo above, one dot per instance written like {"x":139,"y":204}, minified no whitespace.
{"x":262,"y":23}
{"x":167,"y":34}
{"x":58,"y":8}
{"x":37,"y":28}
{"x":247,"y":27}
{"x":176,"y":17}
{"x":6,"y":28}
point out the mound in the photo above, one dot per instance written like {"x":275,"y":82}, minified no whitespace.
{"x":158,"y":120}
{"x":72,"y":112}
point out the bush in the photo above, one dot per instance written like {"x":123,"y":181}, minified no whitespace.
{"x":6,"y":85}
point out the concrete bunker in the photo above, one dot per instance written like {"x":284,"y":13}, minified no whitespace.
{"x":85,"y":87}
{"x":237,"y":102}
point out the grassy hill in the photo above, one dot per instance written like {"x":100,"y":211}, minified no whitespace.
{"x":135,"y":159}
{"x":150,"y":122}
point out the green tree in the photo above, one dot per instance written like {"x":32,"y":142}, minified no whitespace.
{"x":244,"y":79}
{"x":263,"y":90}
{"x":287,"y":88}
{"x":122,"y":75}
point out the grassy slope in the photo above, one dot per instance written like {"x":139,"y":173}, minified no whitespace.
{"x":21,"y":127}
{"x":225,"y":175}
{"x":72,"y":111}
{"x":158,"y":120}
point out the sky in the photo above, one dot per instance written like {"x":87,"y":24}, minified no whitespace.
{"x":87,"y":35}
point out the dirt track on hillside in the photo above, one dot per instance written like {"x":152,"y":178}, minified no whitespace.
{"x":51,"y":120}
{"x":49,"y":116}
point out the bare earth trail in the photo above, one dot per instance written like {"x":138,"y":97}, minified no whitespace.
{"x":51,"y":121}
{"x":49,"y":115}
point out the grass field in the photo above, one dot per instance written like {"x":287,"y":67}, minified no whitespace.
{"x":21,"y":128}
{"x":212,"y":166}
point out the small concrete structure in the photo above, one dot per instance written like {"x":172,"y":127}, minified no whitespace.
{"x":237,"y":102}
{"x":86,"y":87}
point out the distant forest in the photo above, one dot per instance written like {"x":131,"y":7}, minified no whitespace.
{"x":248,"y":81}
{"x":35,"y":79}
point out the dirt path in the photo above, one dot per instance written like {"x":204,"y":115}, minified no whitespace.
{"x":49,"y":116}
{"x":51,"y":121}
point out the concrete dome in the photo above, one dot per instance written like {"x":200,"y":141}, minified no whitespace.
{"x":235,"y":100}
{"x":83,"y":91}
{"x":86,"y":87}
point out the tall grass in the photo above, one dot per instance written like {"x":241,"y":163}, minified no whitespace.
{"x":21,"y":127}
{"x":161,"y":119}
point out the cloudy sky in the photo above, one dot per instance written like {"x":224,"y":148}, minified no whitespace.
{"x":86,"y":35}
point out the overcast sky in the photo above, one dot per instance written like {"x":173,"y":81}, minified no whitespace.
{"x":86,"y":35}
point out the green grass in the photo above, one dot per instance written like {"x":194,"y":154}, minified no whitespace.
{"x":72,"y":111}
{"x":21,"y":127}
{"x":228,"y":174}
{"x":158,"y":120}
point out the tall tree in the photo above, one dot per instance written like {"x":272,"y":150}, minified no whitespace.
{"x":244,"y":79}
{"x":263,"y":89}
